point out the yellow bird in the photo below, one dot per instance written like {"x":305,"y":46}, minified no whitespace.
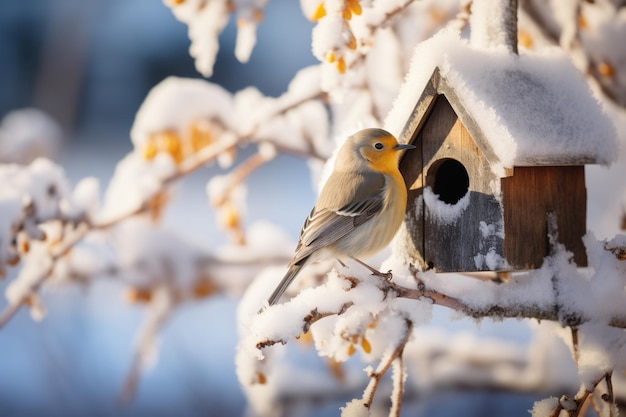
{"x":359,"y":208}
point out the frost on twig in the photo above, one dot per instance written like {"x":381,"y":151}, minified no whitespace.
{"x":575,"y":407}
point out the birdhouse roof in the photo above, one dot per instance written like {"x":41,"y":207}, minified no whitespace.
{"x":529,"y":109}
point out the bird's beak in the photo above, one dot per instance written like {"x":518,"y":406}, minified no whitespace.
{"x":401,"y":146}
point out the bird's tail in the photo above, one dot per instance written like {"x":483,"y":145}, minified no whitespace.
{"x":284,"y":283}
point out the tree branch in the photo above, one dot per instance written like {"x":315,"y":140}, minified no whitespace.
{"x":383,"y":366}
{"x":495,"y":310}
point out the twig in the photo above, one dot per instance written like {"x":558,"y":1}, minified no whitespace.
{"x":9,"y":312}
{"x":575,"y":406}
{"x":397,"y":377}
{"x":152,"y":325}
{"x":494,"y":310}
{"x":12,"y":308}
{"x":307,"y":322}
{"x":605,"y":400}
{"x":383,"y":366}
{"x":239,"y":174}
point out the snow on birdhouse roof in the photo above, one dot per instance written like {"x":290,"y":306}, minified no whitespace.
{"x":531,"y":109}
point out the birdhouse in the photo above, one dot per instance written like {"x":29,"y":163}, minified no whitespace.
{"x":502,"y":143}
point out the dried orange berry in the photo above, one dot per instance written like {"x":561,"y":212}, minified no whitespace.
{"x":177,"y":2}
{"x":24,"y":246}
{"x":605,"y":69}
{"x":261,"y":378}
{"x":341,"y":65}
{"x":351,"y":350}
{"x":169,"y":142}
{"x":138,"y":295}
{"x":229,"y":217}
{"x":351,"y":42}
{"x":200,"y":134}
{"x":203,"y":288}
{"x":365,"y":344}
{"x":355,"y":7}
{"x":320,"y":12}
{"x":330,"y":56}
{"x":346,"y":14}
{"x":524,"y":39}
{"x":149,"y":150}
{"x":582,"y":22}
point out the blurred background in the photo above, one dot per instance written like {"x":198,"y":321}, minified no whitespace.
{"x":89,"y":65}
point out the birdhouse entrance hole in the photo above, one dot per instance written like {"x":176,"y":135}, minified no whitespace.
{"x":449,"y":180}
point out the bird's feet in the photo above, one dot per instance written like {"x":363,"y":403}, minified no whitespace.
{"x":384,"y":275}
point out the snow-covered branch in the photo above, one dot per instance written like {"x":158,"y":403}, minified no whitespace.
{"x":349,"y":308}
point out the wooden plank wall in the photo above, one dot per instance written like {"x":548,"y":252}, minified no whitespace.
{"x":528,"y":196}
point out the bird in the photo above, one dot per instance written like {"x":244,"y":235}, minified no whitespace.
{"x":359,"y":208}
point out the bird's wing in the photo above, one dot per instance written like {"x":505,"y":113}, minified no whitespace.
{"x":325,"y":225}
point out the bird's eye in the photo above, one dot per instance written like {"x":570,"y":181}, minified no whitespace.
{"x":378,"y":146}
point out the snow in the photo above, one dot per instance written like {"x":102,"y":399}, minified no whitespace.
{"x":544,"y":407}
{"x":29,"y":194}
{"x":176,"y":102}
{"x":26,"y":134}
{"x":205,"y":21}
{"x":489,"y":25}
{"x":151,"y":256}
{"x":355,"y":408}
{"x":491,"y":260}
{"x":246,"y":39}
{"x":85,"y":197}
{"x":444,"y":213}
{"x":531,"y":109}
{"x":135,"y":181}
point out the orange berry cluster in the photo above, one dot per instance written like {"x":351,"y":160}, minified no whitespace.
{"x":350,"y":8}
{"x":24,"y":237}
{"x":198,"y":135}
{"x":365,"y":345}
{"x":229,"y":219}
